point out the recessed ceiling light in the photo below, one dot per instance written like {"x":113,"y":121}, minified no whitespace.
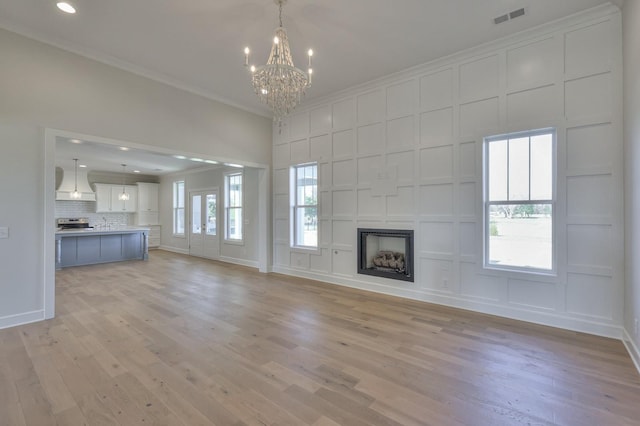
{"x":136,"y":171}
{"x":240,"y":166}
{"x":180,"y":157}
{"x":210,"y":162}
{"x":66,"y":7}
{"x":76,"y":141}
{"x":82,"y":166}
{"x":124,"y":148}
{"x":198,"y":160}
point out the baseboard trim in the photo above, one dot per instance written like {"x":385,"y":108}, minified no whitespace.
{"x":236,"y":261}
{"x":174,"y":249}
{"x":550,"y":319}
{"x":21,"y":319}
{"x":632,"y":349}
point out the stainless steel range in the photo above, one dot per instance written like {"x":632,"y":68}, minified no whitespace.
{"x":76,"y":223}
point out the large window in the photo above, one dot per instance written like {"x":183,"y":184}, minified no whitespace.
{"x":304,"y":205}
{"x":178,"y":207}
{"x":233,"y":207}
{"x":519,"y":201}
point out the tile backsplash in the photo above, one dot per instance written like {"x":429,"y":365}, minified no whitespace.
{"x":88,"y":209}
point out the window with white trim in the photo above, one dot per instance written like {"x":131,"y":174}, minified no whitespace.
{"x":233,"y":207}
{"x":519,"y":199}
{"x":178,"y":207}
{"x":304,"y":205}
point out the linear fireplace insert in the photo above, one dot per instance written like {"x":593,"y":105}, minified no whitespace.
{"x":386,"y":253}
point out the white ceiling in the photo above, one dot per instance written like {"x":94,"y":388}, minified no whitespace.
{"x":198,"y":44}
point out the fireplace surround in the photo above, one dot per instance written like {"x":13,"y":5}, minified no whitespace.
{"x":386,"y":253}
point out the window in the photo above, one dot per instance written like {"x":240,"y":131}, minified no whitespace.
{"x":233,"y":207}
{"x":519,"y":200}
{"x":304,"y":203}
{"x":178,"y":207}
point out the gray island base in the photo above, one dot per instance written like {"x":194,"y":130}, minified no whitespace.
{"x":88,"y":247}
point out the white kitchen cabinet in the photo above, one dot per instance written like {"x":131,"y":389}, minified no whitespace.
{"x":148,"y":209}
{"x":154,"y":236}
{"x":107,"y":198}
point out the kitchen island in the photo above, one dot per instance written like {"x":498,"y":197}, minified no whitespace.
{"x":75,"y":247}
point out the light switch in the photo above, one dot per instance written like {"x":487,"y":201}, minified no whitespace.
{"x":4,"y":232}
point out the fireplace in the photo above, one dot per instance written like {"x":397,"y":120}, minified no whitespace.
{"x":386,"y":253}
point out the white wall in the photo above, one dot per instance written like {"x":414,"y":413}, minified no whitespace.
{"x":422,"y":130}
{"x":631,"y":40}
{"x":45,"y":87}
{"x":243,"y":254}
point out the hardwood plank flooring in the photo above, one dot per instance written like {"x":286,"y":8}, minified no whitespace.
{"x":185,"y":341}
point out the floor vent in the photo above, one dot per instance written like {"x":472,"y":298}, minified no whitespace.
{"x":507,"y":16}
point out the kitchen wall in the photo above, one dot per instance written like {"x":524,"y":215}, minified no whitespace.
{"x":243,"y":254}
{"x":421,"y":131}
{"x":631,"y":25}
{"x":45,"y":87}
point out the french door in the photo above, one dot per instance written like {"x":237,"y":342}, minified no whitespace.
{"x":203,"y":224}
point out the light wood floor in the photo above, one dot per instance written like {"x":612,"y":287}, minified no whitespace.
{"x":182,"y":341}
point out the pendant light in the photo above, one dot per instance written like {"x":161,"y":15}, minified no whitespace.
{"x":124,"y":196}
{"x":75,"y":195}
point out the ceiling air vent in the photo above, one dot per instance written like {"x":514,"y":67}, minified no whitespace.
{"x":507,"y":16}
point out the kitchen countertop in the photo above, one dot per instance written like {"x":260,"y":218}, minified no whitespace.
{"x":97,"y":231}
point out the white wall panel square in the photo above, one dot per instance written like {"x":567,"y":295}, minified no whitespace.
{"x":436,"y":200}
{"x":371,"y":107}
{"x":282,"y":231}
{"x":590,"y":196}
{"x":467,"y":239}
{"x":532,"y":294}
{"x":436,"y":238}
{"x":403,"y":162}
{"x":325,"y":176}
{"x":321,"y":262}
{"x":281,"y":154}
{"x":370,"y":139}
{"x":588,"y":97}
{"x":467,"y":197}
{"x":325,"y":232}
{"x":436,"y":90}
{"x":343,"y":203}
{"x":343,"y":114}
{"x":402,"y":204}
{"x":320,"y":120}
{"x":590,"y":295}
{"x":481,"y":286}
{"x":369,"y":205}
{"x":343,"y":233}
{"x":532,"y":65}
{"x":436,"y":127}
{"x":467,"y":160}
{"x":533,"y":105}
{"x":299,"y":260}
{"x":436,"y":163}
{"x":281,"y":254}
{"x":590,"y":147}
{"x":299,"y":151}
{"x":343,"y":143}
{"x":343,"y":262}
{"x":479,"y":79}
{"x":281,"y":181}
{"x":368,"y":168}
{"x":325,"y":209}
{"x":401,"y":133}
{"x":320,"y":147}
{"x":436,"y":274}
{"x":299,"y":126}
{"x":281,"y":205}
{"x":588,"y":50}
{"x":401,"y":99}
{"x":478,"y":118}
{"x":343,"y":173}
{"x":590,"y":245}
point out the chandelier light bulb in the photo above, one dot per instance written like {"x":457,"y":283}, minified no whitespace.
{"x":246,"y":51}
{"x":276,"y":40}
{"x":246,"y":56}
{"x":253,"y":68}
{"x":310,"y":52}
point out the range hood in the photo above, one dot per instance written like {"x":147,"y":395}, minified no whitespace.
{"x":68,"y":184}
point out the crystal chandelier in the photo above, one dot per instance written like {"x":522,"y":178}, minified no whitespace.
{"x":279,"y":84}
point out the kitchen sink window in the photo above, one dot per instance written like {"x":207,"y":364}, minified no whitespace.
{"x":178,"y":208}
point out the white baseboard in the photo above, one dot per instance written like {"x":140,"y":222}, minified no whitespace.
{"x":21,"y":319}
{"x":632,"y":349}
{"x":236,"y":261}
{"x":174,"y":249}
{"x":550,"y":319}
